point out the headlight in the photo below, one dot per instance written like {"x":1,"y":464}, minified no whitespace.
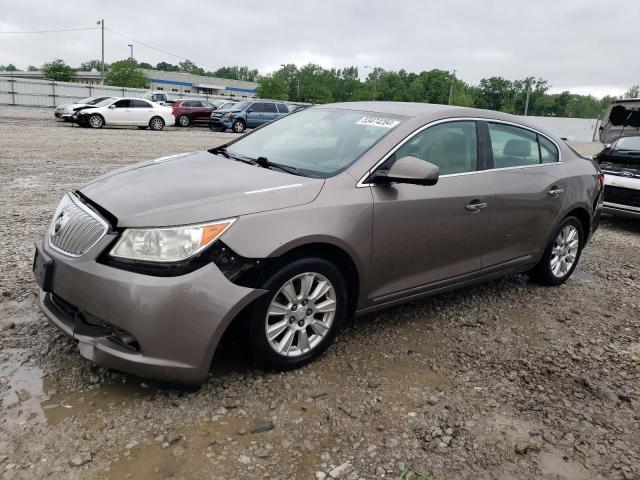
{"x":168,"y":244}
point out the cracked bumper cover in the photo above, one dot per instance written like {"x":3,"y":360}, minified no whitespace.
{"x":176,"y":321}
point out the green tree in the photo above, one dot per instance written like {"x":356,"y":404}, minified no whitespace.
{"x":58,"y":71}
{"x":92,"y":65}
{"x":145,"y":65}
{"x":167,"y":67}
{"x":189,"y":67}
{"x":126,"y":73}
{"x":32,"y":68}
{"x":633,"y":92}
{"x":272,"y":86}
{"x":495,"y":93}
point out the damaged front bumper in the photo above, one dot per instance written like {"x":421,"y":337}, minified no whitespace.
{"x":165,"y":328}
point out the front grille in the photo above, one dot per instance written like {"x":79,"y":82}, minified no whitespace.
{"x":75,"y":228}
{"x":621,"y":195}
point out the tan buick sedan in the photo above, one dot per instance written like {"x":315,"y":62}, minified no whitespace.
{"x":323,"y":214}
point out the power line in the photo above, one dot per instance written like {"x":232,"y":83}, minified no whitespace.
{"x":158,"y":49}
{"x":54,"y":31}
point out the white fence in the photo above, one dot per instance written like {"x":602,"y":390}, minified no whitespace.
{"x":45,"y":93}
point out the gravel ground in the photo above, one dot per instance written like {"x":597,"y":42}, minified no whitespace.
{"x":507,"y":380}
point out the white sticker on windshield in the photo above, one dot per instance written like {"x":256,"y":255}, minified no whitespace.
{"x":377,"y":122}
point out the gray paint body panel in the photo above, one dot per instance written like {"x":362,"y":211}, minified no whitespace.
{"x":405,"y":240}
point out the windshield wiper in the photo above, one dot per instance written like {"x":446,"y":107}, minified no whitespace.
{"x":223,"y":151}
{"x":265,"y":163}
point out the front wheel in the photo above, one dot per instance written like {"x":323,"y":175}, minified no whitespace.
{"x":238,"y":126}
{"x":561,"y":255}
{"x":156,"y":123}
{"x":299,"y":317}
{"x":96,"y":121}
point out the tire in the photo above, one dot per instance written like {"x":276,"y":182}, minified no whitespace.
{"x":288,"y":322}
{"x":184,"y":121}
{"x":95,"y":121}
{"x":553,"y":268}
{"x":238,"y":126}
{"x":156,"y":123}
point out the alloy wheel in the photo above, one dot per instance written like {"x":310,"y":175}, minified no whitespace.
{"x":564,"y":251}
{"x":300,"y":314}
{"x":184,"y":121}
{"x":95,"y":121}
{"x":156,"y":123}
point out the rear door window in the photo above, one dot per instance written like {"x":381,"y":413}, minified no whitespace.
{"x":513,"y":146}
{"x":548,"y":151}
{"x":282,"y":108}
{"x":452,"y":146}
{"x":140,"y":104}
{"x":269,"y":107}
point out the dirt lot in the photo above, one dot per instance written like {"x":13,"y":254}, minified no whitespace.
{"x":507,"y":380}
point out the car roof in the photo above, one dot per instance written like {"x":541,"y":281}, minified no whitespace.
{"x":407,"y":109}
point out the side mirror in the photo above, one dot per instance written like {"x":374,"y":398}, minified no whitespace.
{"x":112,"y":106}
{"x":409,"y":170}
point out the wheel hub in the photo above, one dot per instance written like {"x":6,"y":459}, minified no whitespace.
{"x":300,"y":314}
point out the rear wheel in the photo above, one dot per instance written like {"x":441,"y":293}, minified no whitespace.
{"x":96,"y":121}
{"x":184,"y":121}
{"x":156,"y":123}
{"x":561,"y":255}
{"x":238,"y":126}
{"x":298,"y":319}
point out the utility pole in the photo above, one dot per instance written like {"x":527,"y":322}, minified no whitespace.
{"x":453,"y":80}
{"x":526,"y":101}
{"x":131,"y":47}
{"x":101,"y":23}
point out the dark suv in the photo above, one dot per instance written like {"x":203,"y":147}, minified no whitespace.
{"x":189,"y":112}
{"x":250,"y":113}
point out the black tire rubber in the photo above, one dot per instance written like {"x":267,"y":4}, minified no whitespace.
{"x":88,"y":121}
{"x":156,"y":129}
{"x":257,"y":335}
{"x":542,"y":273}
{"x":188,"y":124}
{"x":238,"y":126}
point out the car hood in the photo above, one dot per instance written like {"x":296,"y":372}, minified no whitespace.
{"x":195,"y":187}
{"x":621,"y":114}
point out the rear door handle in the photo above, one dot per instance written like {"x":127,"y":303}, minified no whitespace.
{"x":555,"y":191}
{"x":475,"y":206}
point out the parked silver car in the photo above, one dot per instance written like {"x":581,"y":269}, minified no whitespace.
{"x":329,"y":212}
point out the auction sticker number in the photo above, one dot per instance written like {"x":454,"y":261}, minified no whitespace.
{"x":377,"y":122}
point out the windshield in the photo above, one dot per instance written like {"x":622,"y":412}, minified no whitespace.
{"x":95,"y":101}
{"x":105,"y":102}
{"x":317,"y":141}
{"x":85,"y":100}
{"x":240,"y":105}
{"x":628,"y":143}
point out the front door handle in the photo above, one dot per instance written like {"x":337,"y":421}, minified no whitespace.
{"x":555,"y":191}
{"x":475,"y":206}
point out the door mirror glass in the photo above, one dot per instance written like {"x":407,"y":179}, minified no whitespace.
{"x":409,"y":170}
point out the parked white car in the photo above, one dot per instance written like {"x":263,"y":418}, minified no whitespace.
{"x":125,"y":111}
{"x":65,"y":112}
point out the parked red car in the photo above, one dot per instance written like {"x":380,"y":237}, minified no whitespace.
{"x":188,"y":112}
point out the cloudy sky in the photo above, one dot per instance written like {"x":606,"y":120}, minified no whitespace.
{"x":585,"y":46}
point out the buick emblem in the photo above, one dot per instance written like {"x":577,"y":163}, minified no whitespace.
{"x":60,"y":221}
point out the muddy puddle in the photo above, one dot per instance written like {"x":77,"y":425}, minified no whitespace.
{"x":30,"y":397}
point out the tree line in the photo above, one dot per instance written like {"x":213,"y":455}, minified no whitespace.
{"x":314,"y":84}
